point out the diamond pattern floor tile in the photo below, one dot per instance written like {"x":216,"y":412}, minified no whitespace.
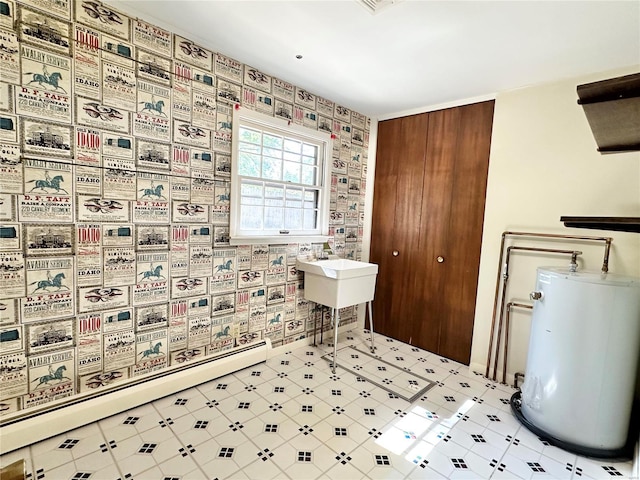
{"x":292,"y":418}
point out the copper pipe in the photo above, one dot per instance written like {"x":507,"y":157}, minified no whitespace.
{"x":605,"y":269}
{"x":495,"y":305}
{"x":510,"y":305}
{"x":505,"y":275}
{"x":607,"y":240}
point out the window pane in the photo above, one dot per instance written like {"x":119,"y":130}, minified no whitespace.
{"x":310,"y":219}
{"x":251,"y":189}
{"x":310,"y":199}
{"x":251,"y":201}
{"x":309,"y":150}
{"x":309,"y":160}
{"x":248,"y":165}
{"x":272,"y":168}
{"x":294,"y":193}
{"x":273,"y":218}
{"x":309,"y":175}
{"x":293,"y":157}
{"x":272,"y":152}
{"x":291,"y":172}
{"x":251,"y":218}
{"x":272,"y":141}
{"x":249,"y":147}
{"x":249,"y":135}
{"x":293,"y":219}
{"x":274,"y":191}
{"x":292,"y":145}
{"x":274,"y":202}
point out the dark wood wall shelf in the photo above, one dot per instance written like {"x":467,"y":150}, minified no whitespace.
{"x":618,"y":224}
{"x":612,"y":108}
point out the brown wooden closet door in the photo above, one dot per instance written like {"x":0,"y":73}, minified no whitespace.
{"x":429,"y":195}
{"x":436,"y":207}
{"x":396,"y":222}
{"x":464,"y":238}
{"x":453,"y":199}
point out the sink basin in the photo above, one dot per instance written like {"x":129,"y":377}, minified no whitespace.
{"x":338,"y":283}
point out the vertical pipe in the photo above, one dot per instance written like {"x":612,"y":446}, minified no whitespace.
{"x":510,"y":305}
{"x":505,"y":277}
{"x":495,"y":305}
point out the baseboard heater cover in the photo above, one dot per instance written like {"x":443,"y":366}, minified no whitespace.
{"x":27,"y":427}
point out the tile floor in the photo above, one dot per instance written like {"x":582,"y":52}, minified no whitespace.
{"x":292,"y":419}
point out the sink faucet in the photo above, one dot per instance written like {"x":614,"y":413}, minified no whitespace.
{"x":325,"y":252}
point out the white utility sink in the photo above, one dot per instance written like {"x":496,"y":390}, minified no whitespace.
{"x":338,"y":283}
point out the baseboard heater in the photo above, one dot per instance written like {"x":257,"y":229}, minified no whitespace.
{"x":26,"y":427}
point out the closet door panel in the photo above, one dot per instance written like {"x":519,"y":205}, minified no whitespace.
{"x":436,"y":193}
{"x":382,"y":221}
{"x":397,"y":271}
{"x":407,"y":264}
{"x":464,"y":229}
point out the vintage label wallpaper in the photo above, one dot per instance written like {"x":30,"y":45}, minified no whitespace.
{"x":108,"y":271}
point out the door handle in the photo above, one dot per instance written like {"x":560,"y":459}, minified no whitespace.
{"x":439,"y":259}
{"x":395,"y":253}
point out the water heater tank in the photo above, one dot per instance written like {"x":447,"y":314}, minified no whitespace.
{"x":583,"y":359}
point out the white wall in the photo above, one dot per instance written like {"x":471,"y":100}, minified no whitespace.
{"x":544,"y":165}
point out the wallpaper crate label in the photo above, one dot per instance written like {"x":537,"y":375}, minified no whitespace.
{"x":96,"y":14}
{"x":118,"y":86}
{"x":50,"y":289}
{"x":95,"y":114}
{"x":12,"y":274}
{"x":38,"y":28}
{"x":13,"y":375}
{"x":99,"y":209}
{"x":9,"y":57}
{"x":88,"y":180}
{"x":86,"y":60}
{"x":152,"y":37}
{"x":47,"y":139}
{"x":89,"y":343}
{"x":46,"y":85}
{"x":91,"y":299}
{"x":116,"y":320}
{"x":119,"y":349}
{"x":48,"y":239}
{"x":228,"y":68}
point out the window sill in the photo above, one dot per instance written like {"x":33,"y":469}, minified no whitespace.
{"x":281,"y":239}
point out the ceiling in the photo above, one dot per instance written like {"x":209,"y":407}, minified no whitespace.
{"x":413,"y":54}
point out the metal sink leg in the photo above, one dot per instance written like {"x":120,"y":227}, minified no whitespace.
{"x":335,"y":337}
{"x":373,"y":348}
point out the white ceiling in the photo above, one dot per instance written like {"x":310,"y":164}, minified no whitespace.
{"x":413,"y":54}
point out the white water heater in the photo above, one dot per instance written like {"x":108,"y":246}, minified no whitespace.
{"x":583,"y":358}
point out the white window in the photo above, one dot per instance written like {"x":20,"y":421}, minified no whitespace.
{"x":279,"y":181}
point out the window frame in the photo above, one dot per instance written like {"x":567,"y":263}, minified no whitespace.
{"x":251,"y":119}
